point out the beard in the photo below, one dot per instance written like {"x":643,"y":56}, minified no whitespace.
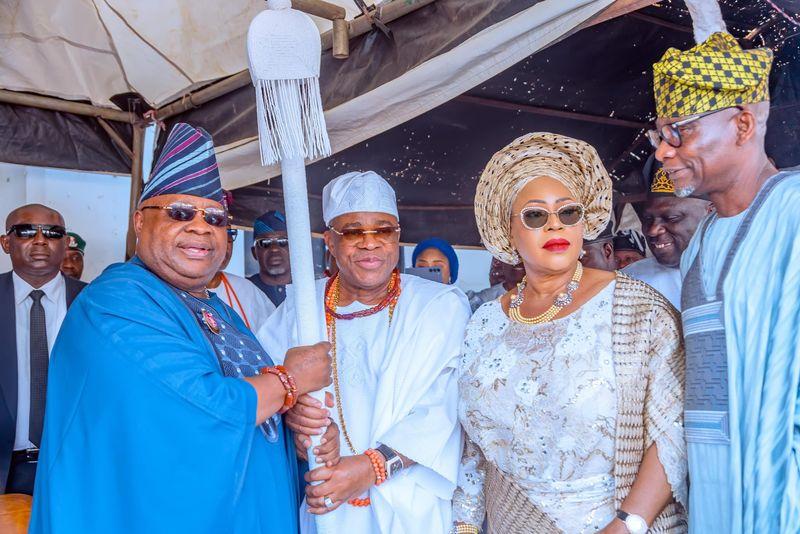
{"x":683,"y":192}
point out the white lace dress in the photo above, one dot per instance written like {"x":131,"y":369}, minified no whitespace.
{"x":539,"y":402}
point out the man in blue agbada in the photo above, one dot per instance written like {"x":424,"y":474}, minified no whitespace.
{"x":740,"y":298}
{"x":162,"y":410}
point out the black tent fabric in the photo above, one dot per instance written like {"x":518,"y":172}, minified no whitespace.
{"x":601,"y":76}
{"x":44,"y":138}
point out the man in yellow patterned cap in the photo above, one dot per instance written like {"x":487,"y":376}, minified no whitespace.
{"x":740,"y":300}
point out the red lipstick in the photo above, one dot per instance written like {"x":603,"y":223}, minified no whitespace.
{"x":556,"y":245}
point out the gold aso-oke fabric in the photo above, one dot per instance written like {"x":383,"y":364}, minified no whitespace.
{"x":572,"y":162}
{"x":715,"y":74}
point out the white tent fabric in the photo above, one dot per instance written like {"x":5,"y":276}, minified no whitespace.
{"x":428,"y":85}
{"x":94,"y":49}
{"x":162,"y":49}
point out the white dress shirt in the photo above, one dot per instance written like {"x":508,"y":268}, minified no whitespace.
{"x":54,"y":303}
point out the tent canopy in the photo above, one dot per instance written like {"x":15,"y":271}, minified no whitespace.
{"x":426,"y":109}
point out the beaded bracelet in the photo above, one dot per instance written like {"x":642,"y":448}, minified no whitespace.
{"x":288,"y":383}
{"x":464,"y":528}
{"x":379,"y":466}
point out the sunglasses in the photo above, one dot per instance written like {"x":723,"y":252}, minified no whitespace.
{"x":29,"y":231}
{"x":671,"y":133}
{"x":266,"y":242}
{"x":384,"y":234}
{"x":534,"y":218}
{"x":233,"y":233}
{"x":178,"y":211}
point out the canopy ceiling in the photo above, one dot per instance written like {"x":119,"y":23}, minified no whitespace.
{"x":94,"y":49}
{"x":595,"y":85}
{"x":426,"y":109}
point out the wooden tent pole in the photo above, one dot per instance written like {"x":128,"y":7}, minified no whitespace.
{"x":67,"y":106}
{"x":116,"y":138}
{"x":136,"y":185}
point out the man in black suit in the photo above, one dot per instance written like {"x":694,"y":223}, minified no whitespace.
{"x":34,"y":298}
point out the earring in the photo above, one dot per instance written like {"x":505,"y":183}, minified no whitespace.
{"x":583,"y":253}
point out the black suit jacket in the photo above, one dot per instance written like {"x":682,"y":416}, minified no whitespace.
{"x":8,"y":366}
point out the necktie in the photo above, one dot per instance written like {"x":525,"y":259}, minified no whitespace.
{"x":39,"y":361}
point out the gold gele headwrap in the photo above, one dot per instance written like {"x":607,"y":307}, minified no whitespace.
{"x":661,"y":183}
{"x":713,"y":75}
{"x":572,"y":162}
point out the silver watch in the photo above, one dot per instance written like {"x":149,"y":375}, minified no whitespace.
{"x":394,"y":464}
{"x":634,"y":523}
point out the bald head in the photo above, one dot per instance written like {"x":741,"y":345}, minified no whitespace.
{"x":35,"y":258}
{"x":35,"y":210}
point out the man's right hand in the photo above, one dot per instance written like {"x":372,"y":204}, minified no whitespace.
{"x":310,"y":366}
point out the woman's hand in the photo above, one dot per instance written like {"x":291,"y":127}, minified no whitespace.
{"x":350,"y":478}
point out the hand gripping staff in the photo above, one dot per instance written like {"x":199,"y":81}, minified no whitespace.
{"x":284,"y":49}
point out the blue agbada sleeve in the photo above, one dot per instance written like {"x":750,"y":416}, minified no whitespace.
{"x":143,"y":433}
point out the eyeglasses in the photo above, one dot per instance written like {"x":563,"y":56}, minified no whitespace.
{"x":266,"y":242}
{"x":29,"y":231}
{"x":233,"y":233}
{"x":178,"y":211}
{"x":384,"y":234}
{"x":534,"y":218}
{"x":671,"y":133}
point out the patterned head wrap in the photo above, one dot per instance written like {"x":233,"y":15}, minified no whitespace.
{"x":269,"y":223}
{"x":186,"y":166}
{"x":713,"y":75}
{"x":76,"y":242}
{"x":572,"y":162}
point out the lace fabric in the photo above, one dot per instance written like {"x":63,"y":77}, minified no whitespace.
{"x":544,"y":386}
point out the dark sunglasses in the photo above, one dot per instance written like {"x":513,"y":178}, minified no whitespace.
{"x":385,"y":234}
{"x":534,"y":218}
{"x":178,"y":211}
{"x":29,"y":231}
{"x":671,"y":133}
{"x":233,"y":233}
{"x":266,"y":242}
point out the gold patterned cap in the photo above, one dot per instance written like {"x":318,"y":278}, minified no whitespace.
{"x":662,"y":185}
{"x":713,"y":75}
{"x":572,"y":162}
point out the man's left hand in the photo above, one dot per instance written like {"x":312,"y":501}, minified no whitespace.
{"x":348,"y":479}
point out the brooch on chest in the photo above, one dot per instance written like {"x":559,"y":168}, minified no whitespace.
{"x":210,"y":321}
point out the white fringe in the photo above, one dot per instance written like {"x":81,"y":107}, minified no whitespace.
{"x":291,"y":122}
{"x":706,"y":18}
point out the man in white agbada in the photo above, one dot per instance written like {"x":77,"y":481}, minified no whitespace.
{"x":396,"y":359}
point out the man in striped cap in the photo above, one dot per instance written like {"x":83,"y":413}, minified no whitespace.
{"x":740,"y":303}
{"x":271,"y":251}
{"x":164,"y":412}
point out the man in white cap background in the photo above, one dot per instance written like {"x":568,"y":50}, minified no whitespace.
{"x":396,"y":342}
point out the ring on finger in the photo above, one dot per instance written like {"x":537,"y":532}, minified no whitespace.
{"x":328,"y":502}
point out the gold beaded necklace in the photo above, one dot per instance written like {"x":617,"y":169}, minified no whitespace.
{"x":331,"y":304}
{"x":561,"y":301}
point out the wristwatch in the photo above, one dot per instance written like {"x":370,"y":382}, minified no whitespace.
{"x":394,"y":464}
{"x":634,"y":523}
